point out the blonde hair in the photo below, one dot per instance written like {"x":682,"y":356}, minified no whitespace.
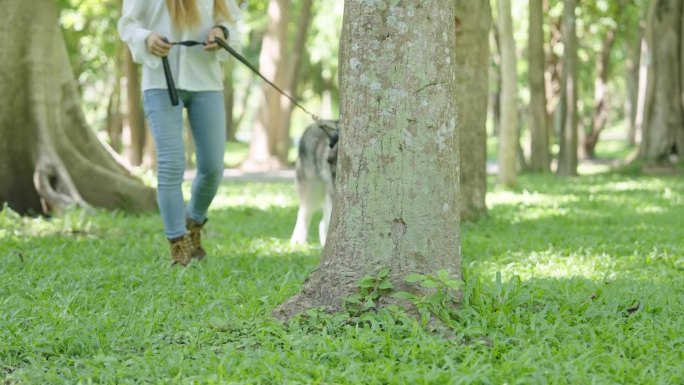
{"x":184,"y":13}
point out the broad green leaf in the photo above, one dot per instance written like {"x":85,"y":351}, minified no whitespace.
{"x":411,"y":278}
{"x":385,"y":285}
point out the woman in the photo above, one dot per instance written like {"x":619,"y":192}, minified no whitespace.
{"x":149,"y":27}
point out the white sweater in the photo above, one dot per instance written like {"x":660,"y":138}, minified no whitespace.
{"x":193,"y":68}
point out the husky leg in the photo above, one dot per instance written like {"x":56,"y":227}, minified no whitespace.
{"x":325,"y":221}
{"x":309,"y":201}
{"x":301,"y":228}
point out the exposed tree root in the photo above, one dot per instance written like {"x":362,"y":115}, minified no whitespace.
{"x":55,"y":187}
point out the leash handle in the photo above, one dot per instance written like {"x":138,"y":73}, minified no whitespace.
{"x":173,"y":94}
{"x":170,"y":84}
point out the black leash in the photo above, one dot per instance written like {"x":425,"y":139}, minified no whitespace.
{"x":173,"y":94}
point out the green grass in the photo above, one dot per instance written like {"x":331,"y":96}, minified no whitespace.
{"x":591,"y":292}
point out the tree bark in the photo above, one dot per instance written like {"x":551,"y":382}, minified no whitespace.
{"x":663,"y":130}
{"x":397,"y":201}
{"x":270,"y":137}
{"x":49,"y":158}
{"x":473,"y":22}
{"x":567,"y":158}
{"x":540,"y":156}
{"x":508,"y":138}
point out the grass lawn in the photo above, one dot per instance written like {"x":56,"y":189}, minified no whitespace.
{"x":569,"y":282}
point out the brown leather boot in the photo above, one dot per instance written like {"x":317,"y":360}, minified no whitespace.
{"x":195,"y":236}
{"x":180,"y":250}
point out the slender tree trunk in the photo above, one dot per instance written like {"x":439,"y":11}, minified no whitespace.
{"x":115,"y":118}
{"x":554,"y":70}
{"x":189,"y":146}
{"x":472,"y":59}
{"x":567,"y":158}
{"x":136,"y":117}
{"x":663,"y":130}
{"x":508,"y":138}
{"x":55,"y":160}
{"x":299,"y":51}
{"x":229,"y":96}
{"x":644,"y":90}
{"x":601,"y":95}
{"x":270,"y":140}
{"x":150,"y":156}
{"x":397,"y":202}
{"x":495,"y":76}
{"x":633,"y":69}
{"x":540,"y":156}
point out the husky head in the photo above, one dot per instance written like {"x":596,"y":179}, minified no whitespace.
{"x":332,"y":160}
{"x":333,"y":143}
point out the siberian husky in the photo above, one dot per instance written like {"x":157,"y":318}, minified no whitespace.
{"x":315,"y":169}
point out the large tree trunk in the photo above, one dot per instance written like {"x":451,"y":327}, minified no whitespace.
{"x":508,"y":138}
{"x":473,"y":21}
{"x":49,"y":158}
{"x":663,"y":130}
{"x":397,"y":202}
{"x":567,"y":158}
{"x":270,"y":139}
{"x":540,"y":156}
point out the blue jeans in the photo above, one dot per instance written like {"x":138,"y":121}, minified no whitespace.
{"x":207,"y":115}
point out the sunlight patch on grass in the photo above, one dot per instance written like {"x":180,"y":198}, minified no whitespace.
{"x":74,"y":222}
{"x":272,"y":195}
{"x":528,"y":198}
{"x":551,"y":264}
{"x":588,"y":168}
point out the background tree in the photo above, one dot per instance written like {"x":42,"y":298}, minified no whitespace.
{"x":136,"y":116}
{"x":607,"y":24}
{"x":633,"y":67}
{"x":508,"y":137}
{"x":473,"y":23}
{"x":663,"y":108}
{"x":567,"y":158}
{"x":271,"y":136}
{"x":267,"y":150}
{"x":54,"y":159}
{"x":397,"y":203}
{"x":540,"y":155}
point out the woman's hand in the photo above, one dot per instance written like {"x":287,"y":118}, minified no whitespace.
{"x":157,"y":46}
{"x":210,"y":44}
